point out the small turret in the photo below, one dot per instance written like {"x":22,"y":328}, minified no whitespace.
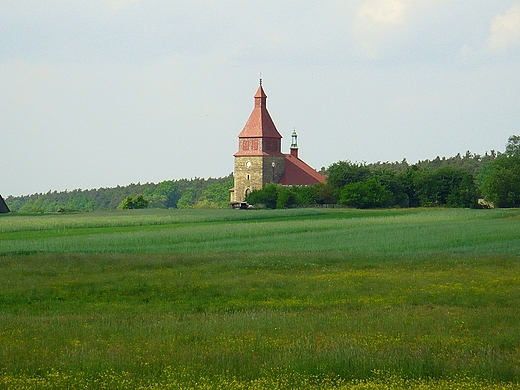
{"x":294,"y":144}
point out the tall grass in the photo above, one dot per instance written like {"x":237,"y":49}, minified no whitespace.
{"x":122,"y":218}
{"x":386,"y":299}
{"x":462,"y":231}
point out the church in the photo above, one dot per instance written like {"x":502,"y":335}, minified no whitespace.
{"x":260,"y":160}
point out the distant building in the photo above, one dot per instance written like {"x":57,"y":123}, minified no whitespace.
{"x":3,"y":206}
{"x":260,"y":160}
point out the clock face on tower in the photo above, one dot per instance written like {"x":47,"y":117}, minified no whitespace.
{"x":248,"y":164}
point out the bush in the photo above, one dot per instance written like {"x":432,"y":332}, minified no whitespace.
{"x":367,"y":194}
{"x":137,"y":202}
{"x":267,"y":196}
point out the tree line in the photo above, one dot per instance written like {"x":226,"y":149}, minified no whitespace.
{"x":459,"y":181}
{"x":183,"y":193}
{"x":468,"y":181}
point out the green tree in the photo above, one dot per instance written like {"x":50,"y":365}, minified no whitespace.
{"x":166,"y":195}
{"x":513,"y":146}
{"x":13,"y":204}
{"x":170,"y":191}
{"x":325,"y":194}
{"x":267,"y":196}
{"x":446,"y":186}
{"x":32,"y":206}
{"x":137,"y":202}
{"x":345,"y":172}
{"x":286,"y":197}
{"x":501,"y":181}
{"x":216,"y":195}
{"x":322,"y":193}
{"x":409,"y":179}
{"x":366,"y":194}
{"x":305,"y":195}
{"x":187,"y":199}
{"x":127,"y":203}
{"x":391,"y":181}
{"x":140,"y":202}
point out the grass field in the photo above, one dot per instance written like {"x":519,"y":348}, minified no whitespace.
{"x":281,"y":299}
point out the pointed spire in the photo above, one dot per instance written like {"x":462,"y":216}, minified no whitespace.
{"x":260,"y":123}
{"x":260,"y":97}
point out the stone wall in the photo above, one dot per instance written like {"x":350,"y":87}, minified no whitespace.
{"x":253,"y":172}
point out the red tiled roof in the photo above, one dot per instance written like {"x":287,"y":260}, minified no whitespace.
{"x":298,"y":172}
{"x":260,"y":123}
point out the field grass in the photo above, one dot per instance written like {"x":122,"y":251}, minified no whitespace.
{"x":281,"y":299}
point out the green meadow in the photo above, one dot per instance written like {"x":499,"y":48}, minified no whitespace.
{"x":261,"y":299}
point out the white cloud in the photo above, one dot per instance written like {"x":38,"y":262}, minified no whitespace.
{"x":374,"y":20}
{"x":380,"y":15}
{"x":505,"y":30}
{"x":380,"y":24}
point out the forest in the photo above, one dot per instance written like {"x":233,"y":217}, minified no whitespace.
{"x":469,"y":181}
{"x":184,"y":193}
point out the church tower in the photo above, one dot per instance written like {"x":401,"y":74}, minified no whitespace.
{"x":259,"y":159}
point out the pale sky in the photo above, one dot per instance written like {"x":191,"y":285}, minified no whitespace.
{"x":102,"y":93}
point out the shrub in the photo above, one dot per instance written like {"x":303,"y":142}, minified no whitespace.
{"x":137,"y":202}
{"x":367,"y":194}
